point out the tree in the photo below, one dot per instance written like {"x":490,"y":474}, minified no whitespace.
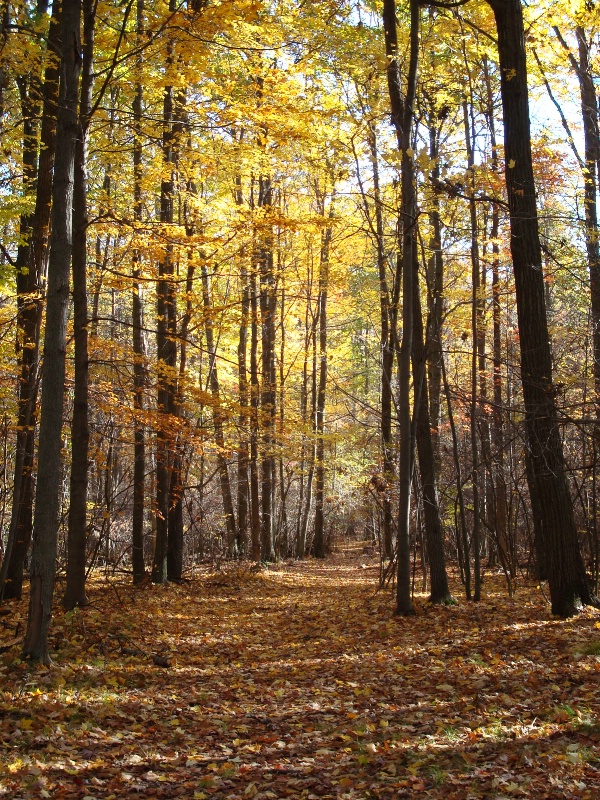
{"x":29,"y":286}
{"x":43,"y":557}
{"x":319,"y":537}
{"x":402,"y":118}
{"x":75,"y":594}
{"x":166,"y":315}
{"x":566,"y":574}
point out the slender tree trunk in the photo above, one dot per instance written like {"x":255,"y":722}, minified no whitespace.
{"x":306,"y":480}
{"x":500,"y":519}
{"x":566,"y":574}
{"x":590,"y":167}
{"x":165,"y":340}
{"x":387,"y":355}
{"x":435,"y":293}
{"x":589,"y":110}
{"x":139,"y":436}
{"x":268,"y":300}
{"x":243,"y":483}
{"x":75,"y":594}
{"x":402,"y":118}
{"x":175,"y":518}
{"x":283,"y":539}
{"x":47,"y":501}
{"x":434,"y":532}
{"x":462,"y":535}
{"x":29,"y":324}
{"x":243,"y":486}
{"x":176,"y":446}
{"x":254,"y":427}
{"x":319,"y":537}
{"x":218,"y":413}
{"x":474,"y":405}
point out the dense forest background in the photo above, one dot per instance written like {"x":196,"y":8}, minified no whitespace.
{"x":272,"y":278}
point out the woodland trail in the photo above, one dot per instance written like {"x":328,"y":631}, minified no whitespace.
{"x":298,"y":682}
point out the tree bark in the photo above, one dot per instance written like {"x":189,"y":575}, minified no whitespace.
{"x":566,"y":574}
{"x":434,"y":532}
{"x":268,"y":300}
{"x":435,"y":280}
{"x":499,"y":509}
{"x":254,"y":426}
{"x":139,"y":377}
{"x":75,"y":594}
{"x":319,"y":536}
{"x":218,"y":413}
{"x":402,"y":118}
{"x":30,"y":309}
{"x":47,"y":501}
{"x":243,"y":484}
{"x":387,"y":316}
{"x":165,"y":341}
{"x":590,"y":167}
{"x":474,"y":404}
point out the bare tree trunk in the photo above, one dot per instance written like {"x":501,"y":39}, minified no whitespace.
{"x":387,"y":315}
{"x":590,"y":167}
{"x":43,"y":558}
{"x":308,"y":449}
{"x":75,"y":594}
{"x":139,"y":436}
{"x":402,"y":118}
{"x":243,"y":483}
{"x":243,"y":486}
{"x":165,"y":340}
{"x":435,"y":280}
{"x":268,"y":300}
{"x":217,"y":412}
{"x":500,"y":520}
{"x":319,"y":537}
{"x":434,"y":532}
{"x":566,"y":574}
{"x":175,"y":500}
{"x":254,"y":427}
{"x":474,"y":405}
{"x":29,"y":322}
{"x":282,"y":539}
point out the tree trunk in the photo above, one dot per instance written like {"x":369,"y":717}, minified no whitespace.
{"x":434,"y":532}
{"x":402,"y":118}
{"x":474,"y":404}
{"x":243,"y":484}
{"x":165,"y":340}
{"x":589,"y":112}
{"x":139,"y":437}
{"x":218,"y":413}
{"x":387,"y":355}
{"x":566,"y":574}
{"x":499,"y":510}
{"x":306,"y":480}
{"x":319,"y":537}
{"x":29,"y":324}
{"x":254,"y":427}
{"x":43,"y":558}
{"x":268,"y":300}
{"x":435,"y":293}
{"x":75,"y":594}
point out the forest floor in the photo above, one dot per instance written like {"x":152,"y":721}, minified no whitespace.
{"x":299,"y":682}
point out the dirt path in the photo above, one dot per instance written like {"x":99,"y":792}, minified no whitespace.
{"x":298,"y":682}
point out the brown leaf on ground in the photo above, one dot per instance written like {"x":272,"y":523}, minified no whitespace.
{"x":298,"y":682}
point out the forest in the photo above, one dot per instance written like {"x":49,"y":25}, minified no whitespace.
{"x":299,"y":312}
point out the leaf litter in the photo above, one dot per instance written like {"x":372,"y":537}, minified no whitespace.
{"x":298,"y":681}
